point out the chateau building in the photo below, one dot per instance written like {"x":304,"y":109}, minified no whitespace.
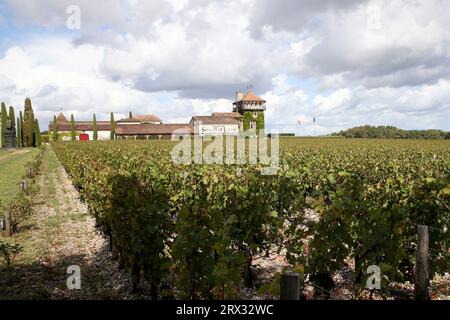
{"x":141,"y":119}
{"x":215,"y":125}
{"x":103,"y":127}
{"x":152,"y":131}
{"x":86,"y":127}
{"x":247,"y":114}
{"x":251,"y":106}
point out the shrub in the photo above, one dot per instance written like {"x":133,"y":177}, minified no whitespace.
{"x":8,"y":252}
{"x":19,"y":210}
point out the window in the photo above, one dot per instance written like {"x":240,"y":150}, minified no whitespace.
{"x":255,"y":114}
{"x":252,"y":124}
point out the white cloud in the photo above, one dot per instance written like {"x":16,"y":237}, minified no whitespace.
{"x":411,"y":45}
{"x":423,"y":107}
{"x":56,"y":75}
{"x":325,"y":105}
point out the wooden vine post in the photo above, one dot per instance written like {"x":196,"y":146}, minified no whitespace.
{"x":422,"y":265}
{"x":290,"y":286}
{"x":4,"y":224}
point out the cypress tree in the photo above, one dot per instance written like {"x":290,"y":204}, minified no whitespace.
{"x":37,"y":133}
{"x":28,"y":124}
{"x":113,"y":128}
{"x":246,"y":121}
{"x":130,"y":115}
{"x":73,"y":134}
{"x":21,"y":130}
{"x":4,"y":118}
{"x":12,"y":117}
{"x":55,"y":129}
{"x":33,"y":131}
{"x":19,"y":139}
{"x":260,"y":121}
{"x":94,"y":128}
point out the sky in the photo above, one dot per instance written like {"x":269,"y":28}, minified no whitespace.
{"x":345,"y":63}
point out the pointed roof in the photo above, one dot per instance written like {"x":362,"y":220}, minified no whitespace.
{"x":250,"y":96}
{"x":61,"y":118}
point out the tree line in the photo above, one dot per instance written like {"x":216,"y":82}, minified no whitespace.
{"x":26,"y":126}
{"x":391,"y":132}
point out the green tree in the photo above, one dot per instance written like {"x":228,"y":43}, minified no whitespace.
{"x":73,"y":134}
{"x":28,"y":124}
{"x":113,"y":127}
{"x":21,"y":130}
{"x":33,"y":131}
{"x":55,"y":129}
{"x":390,"y":132}
{"x":94,"y":128}
{"x":4,"y":118}
{"x":246,"y":121}
{"x":37,"y":132}
{"x":260,"y":121}
{"x":12,"y":117}
{"x":130,"y":115}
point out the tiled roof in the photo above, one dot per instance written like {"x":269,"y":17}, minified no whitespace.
{"x":82,"y":126}
{"x":214,"y":120}
{"x":227,"y":114}
{"x":152,"y":129}
{"x":250,"y":96}
{"x":141,"y":117}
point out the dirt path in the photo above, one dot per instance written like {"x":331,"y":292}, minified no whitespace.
{"x":61,"y":233}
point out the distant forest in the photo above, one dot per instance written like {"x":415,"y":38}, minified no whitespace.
{"x":391,"y":133}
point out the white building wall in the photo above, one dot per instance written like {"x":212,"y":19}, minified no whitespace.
{"x":216,"y":129}
{"x":101,"y":135}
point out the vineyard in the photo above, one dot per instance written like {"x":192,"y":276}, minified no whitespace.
{"x":193,"y":231}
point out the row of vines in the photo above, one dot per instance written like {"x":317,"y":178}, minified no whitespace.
{"x":192,"y":231}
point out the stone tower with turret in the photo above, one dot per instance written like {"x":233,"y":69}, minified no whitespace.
{"x":252,"y":108}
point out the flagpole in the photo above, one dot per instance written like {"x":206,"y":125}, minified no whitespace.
{"x":314,"y":120}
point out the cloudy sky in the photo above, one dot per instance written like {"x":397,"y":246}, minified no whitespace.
{"x":346,"y":63}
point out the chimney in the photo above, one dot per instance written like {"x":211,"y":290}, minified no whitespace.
{"x":239,"y":96}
